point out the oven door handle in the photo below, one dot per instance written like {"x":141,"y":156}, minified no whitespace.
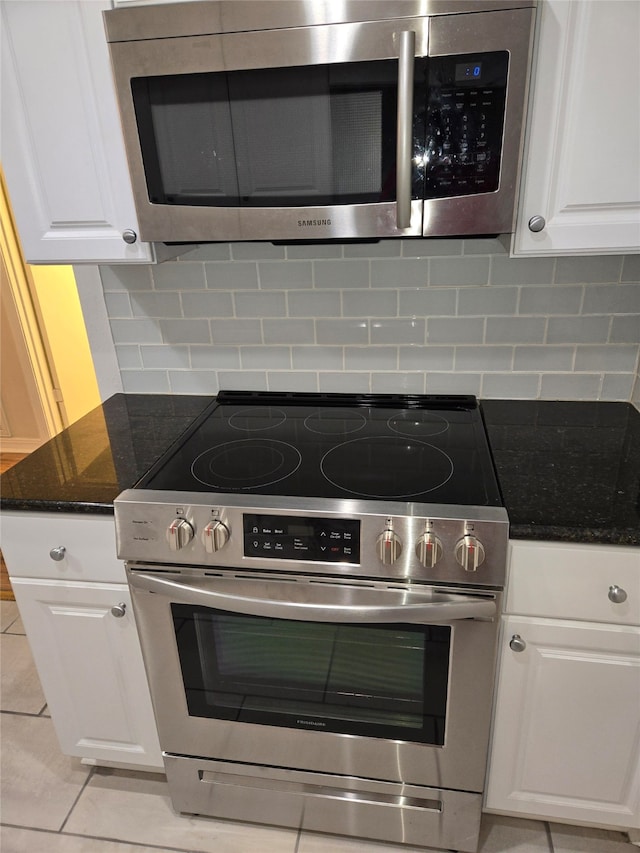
{"x":317,"y":602}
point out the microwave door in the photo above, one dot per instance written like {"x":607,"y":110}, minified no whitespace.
{"x":316,"y":150}
{"x":313,"y":141}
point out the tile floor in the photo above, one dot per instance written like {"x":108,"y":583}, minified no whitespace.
{"x":55,"y":804}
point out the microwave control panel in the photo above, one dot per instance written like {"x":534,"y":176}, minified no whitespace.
{"x":464,"y":124}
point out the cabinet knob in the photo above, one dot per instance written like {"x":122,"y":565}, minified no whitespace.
{"x":517,"y":644}
{"x":118,"y":610}
{"x":129,"y":235}
{"x":537,"y":223}
{"x":617,"y":594}
{"x":58,"y":553}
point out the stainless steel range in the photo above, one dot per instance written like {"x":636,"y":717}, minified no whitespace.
{"x":316,"y":581}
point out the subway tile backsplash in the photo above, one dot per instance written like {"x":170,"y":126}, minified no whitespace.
{"x":417,"y":316}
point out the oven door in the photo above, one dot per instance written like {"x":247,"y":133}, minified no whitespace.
{"x":381,"y":682}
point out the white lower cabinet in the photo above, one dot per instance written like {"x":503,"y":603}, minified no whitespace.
{"x":87,"y":653}
{"x":566,"y":729}
{"x":83,"y":636}
{"x":567,"y":723}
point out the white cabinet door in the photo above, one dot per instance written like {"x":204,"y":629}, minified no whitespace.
{"x":90,"y":665}
{"x":566,"y":735}
{"x":582,"y":162}
{"x":62,"y":149}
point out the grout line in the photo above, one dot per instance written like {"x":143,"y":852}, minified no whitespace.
{"x":80,"y":792}
{"x":547,"y":827}
{"x":298,"y":839}
{"x":108,"y":840}
{"x":30,"y":714}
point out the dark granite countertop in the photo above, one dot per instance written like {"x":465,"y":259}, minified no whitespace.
{"x":569,"y":471}
{"x":88,"y":464}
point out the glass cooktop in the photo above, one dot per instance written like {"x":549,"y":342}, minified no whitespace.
{"x":423,"y":448}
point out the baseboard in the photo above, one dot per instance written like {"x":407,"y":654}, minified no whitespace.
{"x":20,"y":445}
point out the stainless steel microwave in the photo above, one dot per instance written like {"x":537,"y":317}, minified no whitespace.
{"x":291,"y":120}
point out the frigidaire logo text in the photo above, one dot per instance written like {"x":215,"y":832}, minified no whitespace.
{"x":310,"y":723}
{"x":306,"y":223}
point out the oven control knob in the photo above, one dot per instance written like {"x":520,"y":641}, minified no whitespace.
{"x":389,"y":547}
{"x":470,"y":553}
{"x":215,"y":536}
{"x":428,"y":550}
{"x":179,"y":534}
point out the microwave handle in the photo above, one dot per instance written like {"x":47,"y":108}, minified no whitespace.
{"x":404,"y":148}
{"x":315,"y":602}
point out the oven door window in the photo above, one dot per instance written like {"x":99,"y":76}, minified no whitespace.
{"x":273,"y":137}
{"x":387,"y":681}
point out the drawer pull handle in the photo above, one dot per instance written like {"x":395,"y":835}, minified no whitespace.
{"x":58,"y":553}
{"x":617,"y":594}
{"x":517,"y":644}
{"x":118,"y":610}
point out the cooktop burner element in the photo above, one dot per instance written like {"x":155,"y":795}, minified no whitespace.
{"x":249,"y":463}
{"x":257,"y":419}
{"x":418,"y":424}
{"x":335,"y":421}
{"x":380,"y":447}
{"x":386,"y":466}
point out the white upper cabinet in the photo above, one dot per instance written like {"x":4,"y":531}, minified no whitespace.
{"x":581,"y":171}
{"x":62,"y":150}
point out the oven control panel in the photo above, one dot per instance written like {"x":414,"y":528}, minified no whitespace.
{"x":282,"y":537}
{"x":352,"y":538}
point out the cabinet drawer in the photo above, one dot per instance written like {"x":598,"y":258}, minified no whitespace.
{"x":563,"y":581}
{"x":88,"y":541}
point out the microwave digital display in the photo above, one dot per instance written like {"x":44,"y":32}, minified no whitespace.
{"x":468,"y":71}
